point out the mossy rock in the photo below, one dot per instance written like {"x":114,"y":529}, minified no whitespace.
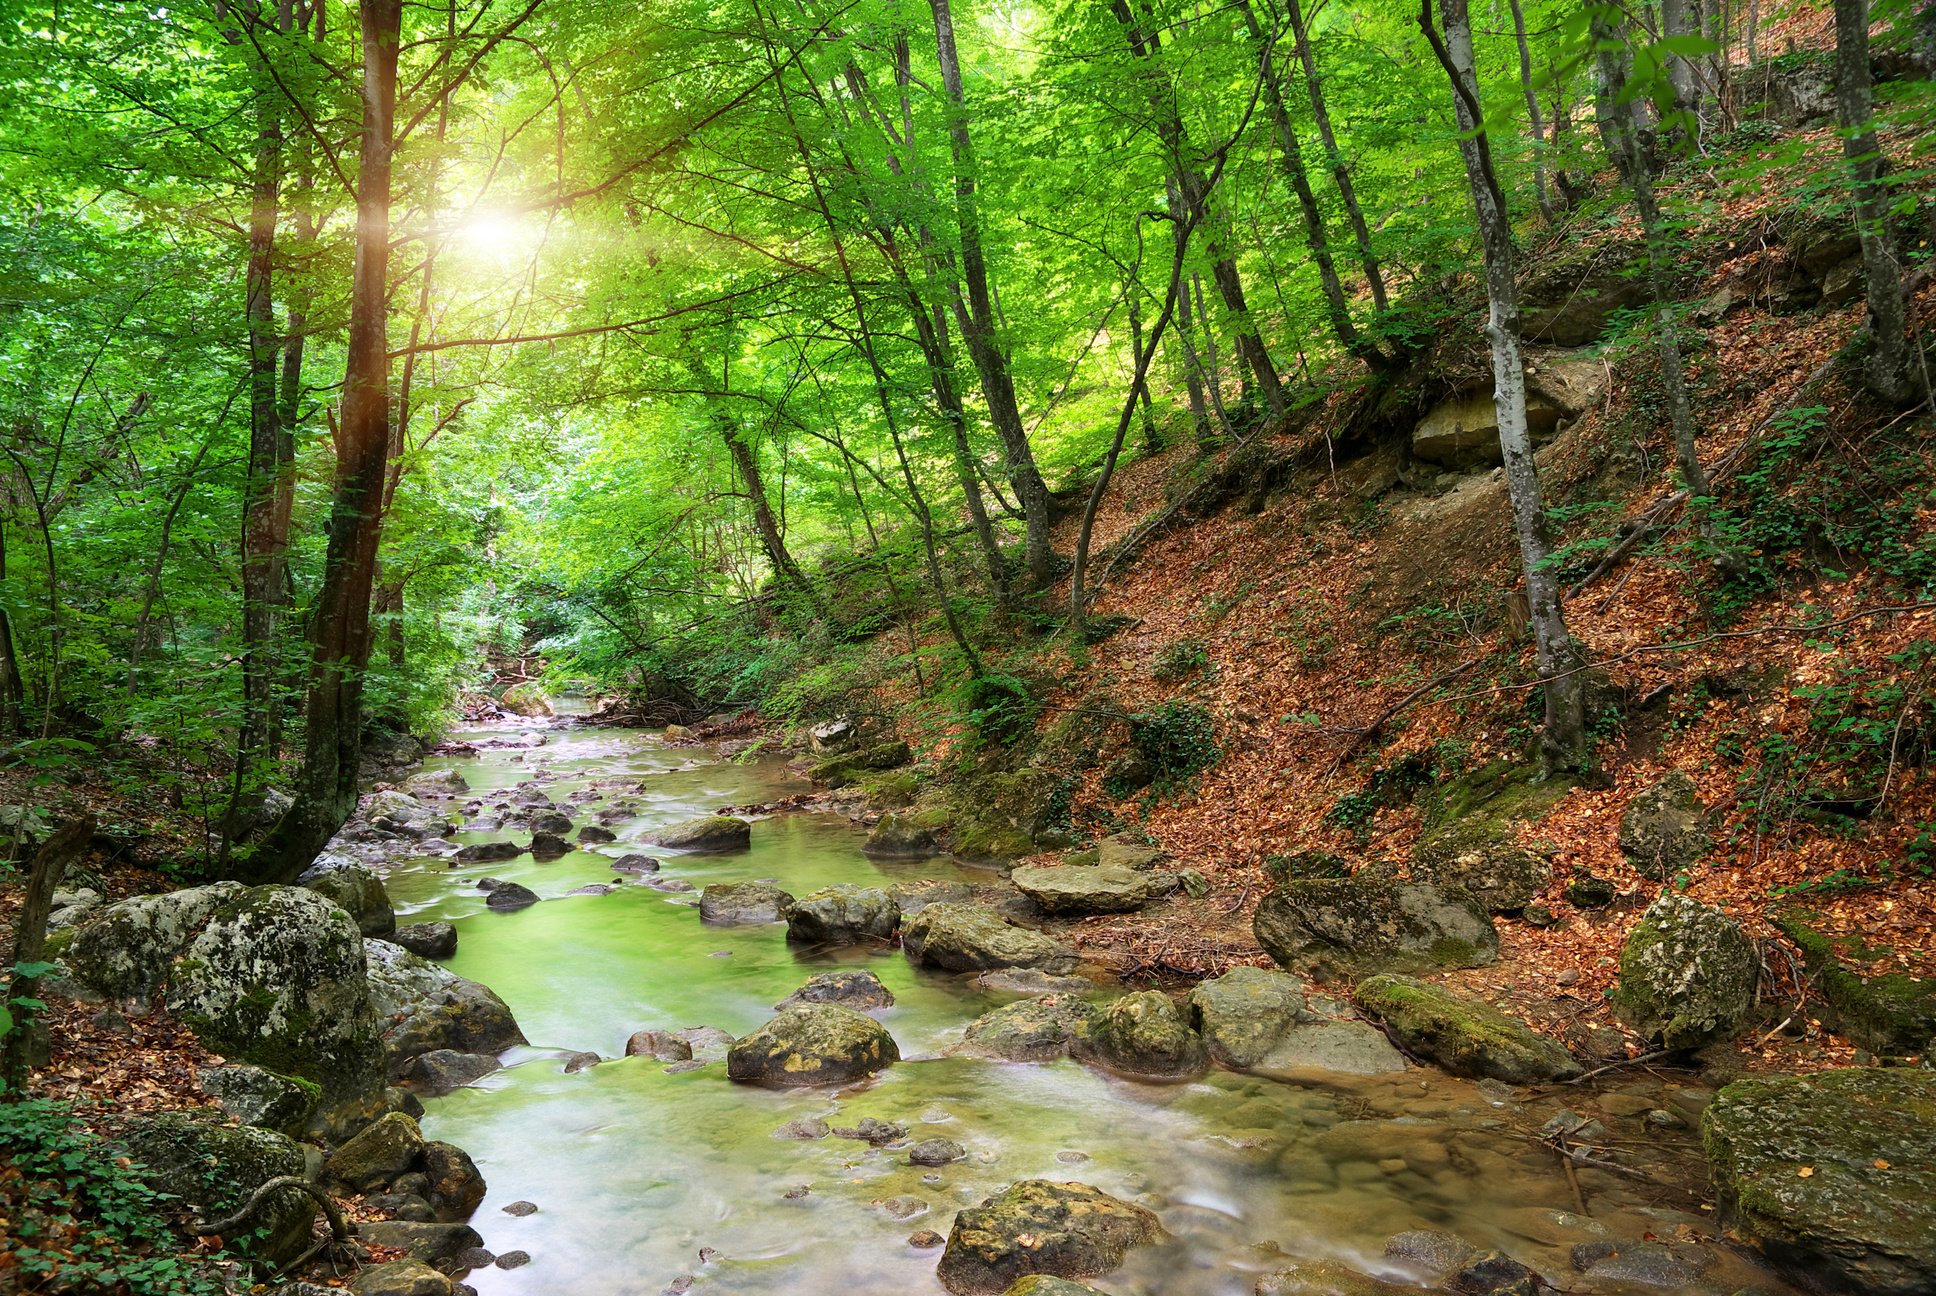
{"x":1832,"y":1176}
{"x":1145,"y":1035}
{"x":997,"y":815}
{"x":1688,"y":974}
{"x":1042,"y":1029}
{"x":255,"y":1096}
{"x":422,"y":1007}
{"x":1664,"y":831}
{"x":893,"y":789}
{"x":380,"y":1153}
{"x":1502,"y":793}
{"x":1062,"y":1230}
{"x":358,"y":891}
{"x":843,"y":914}
{"x":899,"y":837}
{"x":127,"y":950}
{"x":1892,"y":1014}
{"x":972,"y":938}
{"x":1245,"y":1013}
{"x":1372,"y":922}
{"x":214,"y":1168}
{"x":849,"y":767}
{"x":813,"y":1044}
{"x":1481,"y":855}
{"x":705,"y":835}
{"x":1466,"y":1037}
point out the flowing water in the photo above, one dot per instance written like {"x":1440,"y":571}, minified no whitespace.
{"x":647,"y":1180}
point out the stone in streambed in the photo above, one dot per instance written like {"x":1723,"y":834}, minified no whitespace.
{"x":354,"y":889}
{"x":635,"y":864}
{"x":1466,"y":1037}
{"x":436,"y":783}
{"x":660,"y":1046}
{"x":401,"y":1278}
{"x":1245,"y":1013}
{"x":1084,"y":889}
{"x":1062,"y":1230}
{"x":973,"y":938}
{"x":1372,"y":922}
{"x":896,"y":837}
{"x":435,"y":1244}
{"x":708,"y":834}
{"x":592,"y":834}
{"x":1145,"y":1035}
{"x":548,"y":846}
{"x":432,"y":940}
{"x":488,"y":852}
{"x":511,"y":895}
{"x":936,"y":1152}
{"x":422,"y":1007}
{"x":854,"y":988}
{"x":1028,"y":1030}
{"x":383,"y":1152}
{"x":728,"y":904}
{"x":812,"y":1045}
{"x":456,"y":1187}
{"x":441,"y":1071}
{"x":843,"y":915}
{"x":1346,"y":1047}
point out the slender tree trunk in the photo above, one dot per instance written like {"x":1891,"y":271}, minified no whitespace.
{"x":30,"y":949}
{"x":976,"y":317}
{"x":1889,"y":365}
{"x":1340,"y":173}
{"x":13,"y":715}
{"x":1151,"y":441}
{"x":1532,"y":111}
{"x":1682,"y":18}
{"x":747,"y":462}
{"x":1564,"y":741}
{"x":1206,"y":433}
{"x":340,"y":624}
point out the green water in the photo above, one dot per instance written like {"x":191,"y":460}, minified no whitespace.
{"x":636,"y":1171}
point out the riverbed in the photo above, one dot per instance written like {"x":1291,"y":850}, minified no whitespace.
{"x":649,"y":1177}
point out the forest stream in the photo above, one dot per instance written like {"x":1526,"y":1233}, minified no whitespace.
{"x":651,"y":1177}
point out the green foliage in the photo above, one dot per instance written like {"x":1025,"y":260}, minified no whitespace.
{"x":1396,"y":783}
{"x":1177,"y":739}
{"x":1001,"y":708}
{"x":81,"y":1218}
{"x":1181,"y":660}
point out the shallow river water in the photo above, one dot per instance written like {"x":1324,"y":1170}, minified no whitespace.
{"x":647,"y":1180}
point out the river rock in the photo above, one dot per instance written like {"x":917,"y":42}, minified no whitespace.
{"x":728,"y":904}
{"x":1146,"y":1035}
{"x":511,"y":895}
{"x":214,"y":1168}
{"x":126,"y":951}
{"x":441,"y":1071}
{"x":897,"y":837}
{"x":383,"y":1152}
{"x":456,"y":1187}
{"x":432,"y":940}
{"x":1041,"y":1285}
{"x":401,"y":1278}
{"x":1062,"y":1230}
{"x":354,"y":889}
{"x":936,"y":1152}
{"x":1245,"y":1013}
{"x":851,"y":987}
{"x":635,"y":864}
{"x":398,"y":808}
{"x":525,"y":699}
{"x":1862,"y":1220}
{"x":549,"y":822}
{"x":973,"y":938}
{"x":254,"y":1095}
{"x":1028,"y":1030}
{"x":1344,"y":1046}
{"x":422,"y":1007}
{"x":1084,"y":889}
{"x":1482,"y":856}
{"x":592,"y":834}
{"x":1687,"y":974}
{"x":843,"y":915}
{"x":1371,"y":922}
{"x":708,"y":834}
{"x":660,"y":1046}
{"x":488,"y":852}
{"x":435,"y":783}
{"x":548,"y":846}
{"x":812,"y":1045}
{"x":276,"y":976}
{"x":916,"y":895}
{"x":1665,"y":829}
{"x":1466,"y":1037}
{"x":435,"y":1244}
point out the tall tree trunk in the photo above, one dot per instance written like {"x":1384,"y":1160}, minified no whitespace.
{"x":747,"y":463}
{"x":30,"y":949}
{"x":1340,"y":173}
{"x":13,"y":713}
{"x":1682,"y":19}
{"x":1889,"y":365}
{"x":976,"y":317}
{"x":1564,"y":741}
{"x":1532,"y":111}
{"x":340,"y":622}
{"x":1206,"y":432}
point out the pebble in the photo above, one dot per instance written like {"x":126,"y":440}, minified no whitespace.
{"x":904,"y":1207}
{"x":1071,"y":1157}
{"x":876,"y":1132}
{"x":514,"y":1260}
{"x":926,"y":1240}
{"x":521,"y":1208}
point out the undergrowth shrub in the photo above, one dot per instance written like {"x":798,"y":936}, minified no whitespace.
{"x":999,"y":707}
{"x":1178,"y":740}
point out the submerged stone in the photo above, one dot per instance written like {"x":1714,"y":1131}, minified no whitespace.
{"x":729,"y":904}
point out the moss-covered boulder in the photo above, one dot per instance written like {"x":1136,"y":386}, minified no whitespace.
{"x":401,"y":1278}
{"x":1890,"y":1013}
{"x":1245,"y":1013}
{"x":997,"y":814}
{"x":127,"y":949}
{"x":815,"y":1044}
{"x":526,"y":699}
{"x":1042,"y":1029}
{"x":1145,"y":1035}
{"x":1079,"y":889}
{"x":1466,"y":1037}
{"x":848,"y":767}
{"x":1665,"y":829}
{"x":973,"y":938}
{"x":739,"y":904}
{"x":354,"y":889}
{"x":1121,"y":850}
{"x":1372,"y":922}
{"x":843,"y":914}
{"x":1482,"y":856}
{"x":379,"y":1154}
{"x":1061,"y":1230}
{"x":421,"y":1007}
{"x":706,"y":835}
{"x":854,"y":988}
{"x":1687,"y":974}
{"x":276,"y":976}
{"x":1832,"y":1175}
{"x":256,"y":1096}
{"x":214,"y":1168}
{"x":900,"y":837}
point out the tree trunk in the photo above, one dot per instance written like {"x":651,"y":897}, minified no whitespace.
{"x":340,"y":622}
{"x":1682,"y":18}
{"x":1340,"y":173}
{"x":1532,"y":111}
{"x":30,"y":948}
{"x":772,"y":539}
{"x":13,"y":696}
{"x":1564,"y":741}
{"x":976,"y":317}
{"x":1889,"y":365}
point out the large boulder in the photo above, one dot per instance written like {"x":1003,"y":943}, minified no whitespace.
{"x":1466,"y":1037}
{"x":1501,"y":874}
{"x":843,"y":915}
{"x":708,"y":834}
{"x":213,"y":1168}
{"x":1145,"y":1035}
{"x":127,"y":950}
{"x":1832,"y":1175}
{"x":898,"y":837}
{"x":1665,"y":828}
{"x":432,"y":940}
{"x":1687,"y":974}
{"x":733,"y":904}
{"x":815,"y":1044}
{"x":253,"y":1095}
{"x":382,"y":1152}
{"x":1084,"y":889}
{"x":436,"y":783}
{"x":973,"y":938}
{"x":399,"y":808}
{"x":1372,"y":922}
{"x":1061,"y":1230}
{"x":850,"y":987}
{"x":1245,"y":1013}
{"x":354,"y":889}
{"x":276,"y":976}
{"x":421,"y":1007}
{"x":1029,"y":1030}
{"x":525,"y":699}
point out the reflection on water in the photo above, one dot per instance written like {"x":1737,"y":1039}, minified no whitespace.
{"x":636,"y":1171}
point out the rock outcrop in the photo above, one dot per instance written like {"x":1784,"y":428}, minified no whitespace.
{"x":1371,"y":922}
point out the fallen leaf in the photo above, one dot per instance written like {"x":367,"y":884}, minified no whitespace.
{"x":1806,"y":1172}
